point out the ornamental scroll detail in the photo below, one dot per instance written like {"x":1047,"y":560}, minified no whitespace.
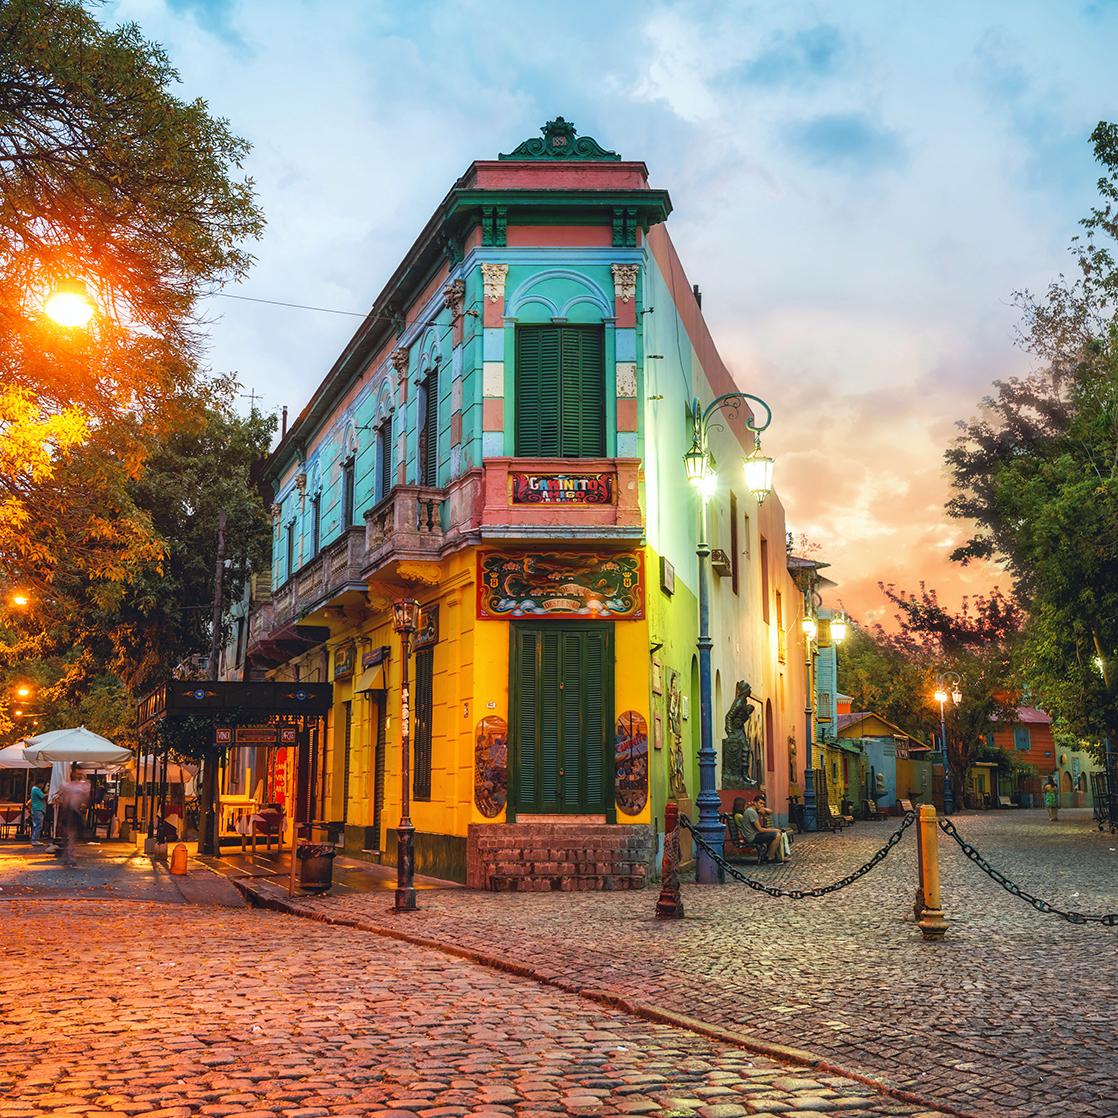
{"x":568,"y":586}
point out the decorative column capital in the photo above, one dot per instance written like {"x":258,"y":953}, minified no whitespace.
{"x":625,"y":281}
{"x":399,"y":361}
{"x":493,"y":278}
{"x":301,"y":482}
{"x":454,"y":295}
{"x":276,"y":511}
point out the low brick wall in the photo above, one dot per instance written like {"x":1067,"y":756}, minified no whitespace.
{"x":539,"y":857}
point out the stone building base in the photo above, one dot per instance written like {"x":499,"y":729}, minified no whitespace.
{"x":568,"y":857}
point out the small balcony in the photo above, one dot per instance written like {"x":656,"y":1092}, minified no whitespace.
{"x":335,"y":568}
{"x":408,"y":525}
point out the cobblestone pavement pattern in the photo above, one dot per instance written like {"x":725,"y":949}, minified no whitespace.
{"x":114,"y":1008}
{"x":1012,"y":1015}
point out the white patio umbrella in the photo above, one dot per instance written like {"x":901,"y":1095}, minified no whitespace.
{"x":76,"y":746}
{"x":151,"y":768}
{"x":11,"y":757}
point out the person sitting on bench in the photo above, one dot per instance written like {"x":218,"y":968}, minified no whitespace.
{"x":748,"y":823}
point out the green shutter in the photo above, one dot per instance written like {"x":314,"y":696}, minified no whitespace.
{"x":582,"y":393}
{"x":562,"y":714}
{"x":430,"y":461}
{"x":560,"y":392}
{"x":526,"y":683}
{"x":423,"y":706}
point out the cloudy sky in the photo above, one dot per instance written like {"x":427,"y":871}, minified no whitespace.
{"x":859,"y":188}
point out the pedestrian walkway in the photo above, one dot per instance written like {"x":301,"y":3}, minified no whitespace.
{"x":1003,"y":1018}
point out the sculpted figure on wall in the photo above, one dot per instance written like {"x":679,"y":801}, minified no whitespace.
{"x":741,"y":747}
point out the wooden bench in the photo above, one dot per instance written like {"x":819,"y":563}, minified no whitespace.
{"x":905,"y":806}
{"x":873,"y":811}
{"x":1005,"y":801}
{"x":736,"y":846}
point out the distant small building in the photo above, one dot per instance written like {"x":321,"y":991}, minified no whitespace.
{"x":1029,"y":740}
{"x":896,"y":764}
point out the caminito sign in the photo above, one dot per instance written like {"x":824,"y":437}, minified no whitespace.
{"x":562,"y":489}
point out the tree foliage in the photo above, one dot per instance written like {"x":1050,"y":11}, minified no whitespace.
{"x":1036,"y":474}
{"x":895,"y":672}
{"x":107,"y":178}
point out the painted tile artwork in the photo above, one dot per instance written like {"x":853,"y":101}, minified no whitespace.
{"x":570,"y":586}
{"x":559,"y":489}
{"x":491,"y":766}
{"x":631,"y":763}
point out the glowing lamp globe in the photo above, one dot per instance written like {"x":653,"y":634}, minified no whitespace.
{"x":809,"y":627}
{"x":838,"y":629}
{"x":940,"y":696}
{"x":759,"y":475}
{"x":405,"y":615}
{"x":69,"y":305}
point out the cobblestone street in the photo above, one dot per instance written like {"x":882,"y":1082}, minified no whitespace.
{"x":1012,"y":1015}
{"x":159,"y":1011}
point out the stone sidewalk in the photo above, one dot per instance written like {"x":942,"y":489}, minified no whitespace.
{"x":1012,"y":1015}
{"x":135,"y":1009}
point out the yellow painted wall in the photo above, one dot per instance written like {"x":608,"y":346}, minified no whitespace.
{"x":471,"y":669}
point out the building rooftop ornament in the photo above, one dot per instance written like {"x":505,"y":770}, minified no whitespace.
{"x":559,"y":142}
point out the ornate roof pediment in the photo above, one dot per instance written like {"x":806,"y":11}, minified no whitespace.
{"x":560,"y":142}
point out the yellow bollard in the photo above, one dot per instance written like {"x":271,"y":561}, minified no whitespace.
{"x":931,"y":921}
{"x":178,"y":860}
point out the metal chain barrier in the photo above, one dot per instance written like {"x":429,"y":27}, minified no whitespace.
{"x":1109,"y":920}
{"x":800,"y":894}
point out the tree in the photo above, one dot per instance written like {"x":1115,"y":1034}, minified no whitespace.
{"x":1037,"y":476}
{"x":900,"y":669}
{"x":107,"y":179}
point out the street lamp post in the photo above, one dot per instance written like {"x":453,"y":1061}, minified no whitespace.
{"x":941,"y":696}
{"x":700,"y":472}
{"x":405,"y":619}
{"x":810,"y":626}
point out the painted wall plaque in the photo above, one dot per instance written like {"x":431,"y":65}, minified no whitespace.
{"x":491,"y":766}
{"x":569,"y":586}
{"x":561,"y":489}
{"x":677,"y":775}
{"x":345,"y":659}
{"x":631,"y":763}
{"x":427,"y":632}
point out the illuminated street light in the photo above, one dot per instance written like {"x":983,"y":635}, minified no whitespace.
{"x":699,"y":470}
{"x":69,"y":304}
{"x":405,"y":620}
{"x":20,"y":600}
{"x":940,"y":697}
{"x":23,"y":691}
{"x":838,"y":628}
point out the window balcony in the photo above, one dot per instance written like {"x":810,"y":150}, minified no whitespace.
{"x":335,"y":569}
{"x":407,"y":525}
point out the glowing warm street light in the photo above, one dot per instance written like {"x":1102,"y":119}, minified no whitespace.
{"x":940,"y":697}
{"x":838,"y":628}
{"x":809,"y":627}
{"x":20,"y":600}
{"x":23,"y":691}
{"x":69,"y":305}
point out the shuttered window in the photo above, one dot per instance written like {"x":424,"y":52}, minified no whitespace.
{"x":429,"y":436}
{"x":384,"y":460}
{"x":423,"y":704}
{"x":563,"y":712}
{"x":560,"y":392}
{"x":347,"y":493}
{"x":316,"y":524}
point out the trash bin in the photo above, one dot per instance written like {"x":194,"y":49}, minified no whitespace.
{"x":316,"y":867}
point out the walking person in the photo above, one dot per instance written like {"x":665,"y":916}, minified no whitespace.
{"x":72,"y":801}
{"x":1052,"y":800}
{"x":38,"y":812}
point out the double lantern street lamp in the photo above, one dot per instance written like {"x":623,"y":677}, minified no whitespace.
{"x":405,"y":620}
{"x":699,"y":467}
{"x":810,"y":624}
{"x":954,"y":680}
{"x":69,"y":304}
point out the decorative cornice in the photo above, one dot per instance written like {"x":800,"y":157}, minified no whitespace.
{"x":625,"y":281}
{"x":493,"y":278}
{"x":454,"y":295}
{"x":559,"y":142}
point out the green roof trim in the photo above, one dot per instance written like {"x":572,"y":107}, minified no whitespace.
{"x":560,"y":142}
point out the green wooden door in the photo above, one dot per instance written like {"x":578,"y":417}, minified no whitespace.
{"x":562,"y":714}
